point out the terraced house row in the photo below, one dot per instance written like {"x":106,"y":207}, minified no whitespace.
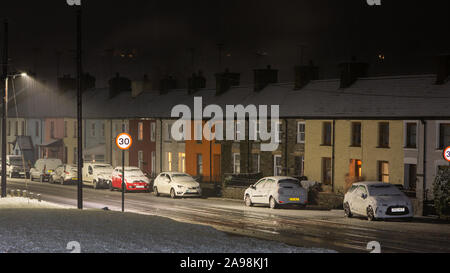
{"x":336,"y":131}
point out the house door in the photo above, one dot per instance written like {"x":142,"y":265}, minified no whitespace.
{"x":216,"y":168}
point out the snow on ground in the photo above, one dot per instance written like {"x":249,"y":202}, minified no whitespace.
{"x":38,"y":227}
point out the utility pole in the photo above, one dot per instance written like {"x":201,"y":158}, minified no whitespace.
{"x":4,"y":108}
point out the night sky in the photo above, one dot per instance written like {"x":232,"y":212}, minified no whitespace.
{"x":178,"y":37}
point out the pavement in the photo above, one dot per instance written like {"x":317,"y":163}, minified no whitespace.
{"x":296,"y":227}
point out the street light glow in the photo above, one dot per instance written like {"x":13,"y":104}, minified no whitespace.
{"x":24,"y":74}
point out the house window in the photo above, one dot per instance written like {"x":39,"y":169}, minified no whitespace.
{"x":237,"y":130}
{"x":280,"y":131}
{"x":277,"y":167}
{"x":65,"y":128}
{"x":37,"y":128}
{"x":93,"y":129}
{"x":169,"y":162}
{"x":199,"y":164}
{"x":301,"y":126}
{"x":326,"y":134}
{"x":411,"y":135}
{"x":140,"y":159}
{"x":326,"y":170}
{"x":66,"y":151}
{"x":52,"y":129}
{"x":16,"y":131}
{"x":383,"y":135}
{"x":236,"y":163}
{"x":299,"y":165}
{"x":383,"y":171}
{"x":9,"y":128}
{"x":444,"y":135}
{"x":153,"y":131}
{"x":182,"y":162}
{"x":356,"y":134}
{"x":75,"y":129}
{"x":103,"y":130}
{"x":168,"y":132}
{"x":140,"y":131}
{"x":256,"y":163}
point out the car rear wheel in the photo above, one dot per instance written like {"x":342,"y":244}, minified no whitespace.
{"x":248,"y":201}
{"x":61,"y":181}
{"x":95,"y":185}
{"x":370,"y":214}
{"x":50,"y":180}
{"x":273,"y":203}
{"x":347,"y":211}
{"x":172,"y":194}
{"x":41,"y":179}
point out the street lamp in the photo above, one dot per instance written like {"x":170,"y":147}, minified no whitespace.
{"x":4,"y":118}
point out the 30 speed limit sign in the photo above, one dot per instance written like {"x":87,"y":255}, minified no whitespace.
{"x":124,"y":141}
{"x":447,"y":154}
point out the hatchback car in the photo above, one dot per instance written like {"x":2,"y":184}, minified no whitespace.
{"x":64,"y":174}
{"x":135,"y":180}
{"x":176,"y":185}
{"x":276,"y":191}
{"x":377,"y":200}
{"x":44,"y":168}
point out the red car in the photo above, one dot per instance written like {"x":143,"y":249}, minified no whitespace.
{"x":135,"y":180}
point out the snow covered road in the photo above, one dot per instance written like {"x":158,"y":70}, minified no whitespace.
{"x":304,"y":228}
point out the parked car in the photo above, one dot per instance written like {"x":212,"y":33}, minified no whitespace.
{"x":176,"y":185}
{"x":44,"y":168}
{"x":377,"y":200}
{"x":276,"y":191}
{"x":64,"y":174}
{"x":135,"y":180}
{"x":16,"y":167}
{"x":97,"y":175}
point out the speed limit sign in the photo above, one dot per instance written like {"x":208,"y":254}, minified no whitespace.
{"x":124,"y":141}
{"x":447,"y":154}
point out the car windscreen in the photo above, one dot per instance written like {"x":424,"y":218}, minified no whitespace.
{"x":289,"y":183}
{"x":180,"y":175}
{"x":103,"y":168}
{"x":384,"y":190}
{"x":16,"y":161}
{"x":134,"y":173}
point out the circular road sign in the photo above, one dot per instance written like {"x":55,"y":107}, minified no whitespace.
{"x":447,"y":154}
{"x":124,"y":141}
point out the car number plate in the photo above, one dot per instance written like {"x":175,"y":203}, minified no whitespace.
{"x":139,"y":187}
{"x":294,"y":199}
{"x":398,"y":210}
{"x":74,"y":178}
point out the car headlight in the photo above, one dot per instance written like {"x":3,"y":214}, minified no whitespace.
{"x":180,"y":186}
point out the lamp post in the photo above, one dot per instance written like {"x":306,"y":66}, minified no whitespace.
{"x":77,"y":4}
{"x":4,"y":80}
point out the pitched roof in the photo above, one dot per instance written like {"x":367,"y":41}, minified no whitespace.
{"x":402,"y":97}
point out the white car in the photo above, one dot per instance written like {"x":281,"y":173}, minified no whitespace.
{"x":64,"y":174}
{"x":377,"y":200}
{"x":97,"y":175}
{"x":276,"y":191}
{"x":44,"y":168}
{"x":176,"y":185}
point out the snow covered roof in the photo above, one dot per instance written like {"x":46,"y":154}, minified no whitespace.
{"x":398,"y":97}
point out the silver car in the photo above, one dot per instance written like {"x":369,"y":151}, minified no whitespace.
{"x":64,"y":174}
{"x":276,"y":191}
{"x":377,"y":200}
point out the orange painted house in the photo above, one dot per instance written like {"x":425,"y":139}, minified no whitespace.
{"x":203,"y":159}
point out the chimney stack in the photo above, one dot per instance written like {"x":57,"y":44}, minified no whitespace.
{"x":67,"y":83}
{"x":351,"y":71}
{"x":166,"y":84}
{"x":304,"y":74}
{"x":118,"y":84}
{"x":196,"y":82}
{"x":138,"y":87}
{"x":264,"y":77}
{"x":224,"y":81}
{"x":443,"y":69}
